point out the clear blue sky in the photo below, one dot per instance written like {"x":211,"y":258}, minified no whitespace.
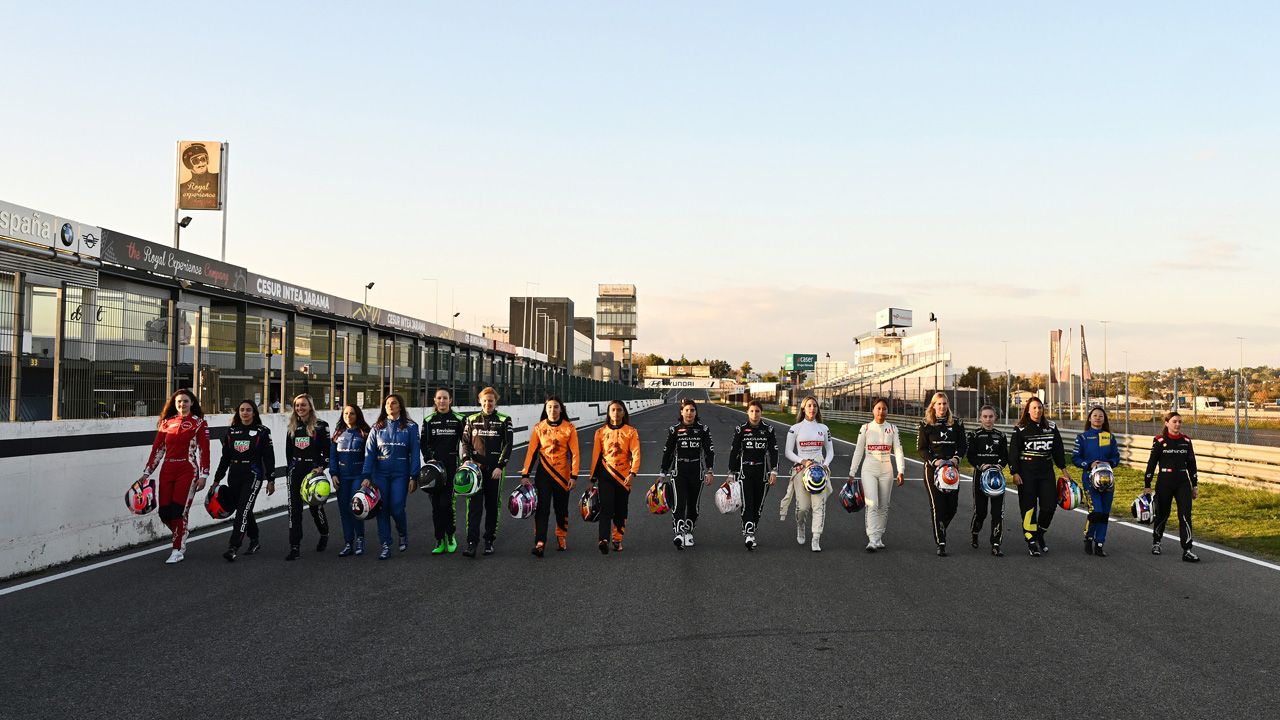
{"x":769,"y":175}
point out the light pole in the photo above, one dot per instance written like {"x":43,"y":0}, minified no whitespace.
{"x":937,"y":349}
{"x":528,"y":314}
{"x":857,"y":355}
{"x":1105,"y":385}
{"x":1007,"y":389}
{"x":1239,"y":383}
{"x":1126,"y":392}
{"x":367,"y":288}
{"x":453,"y":322}
{"x":538,"y":316}
{"x":437,"y":303}
{"x":178,"y":227}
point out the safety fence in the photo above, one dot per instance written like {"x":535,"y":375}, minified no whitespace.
{"x":1254,"y":466}
{"x":908,"y":389}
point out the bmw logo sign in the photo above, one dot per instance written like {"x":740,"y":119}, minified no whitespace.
{"x":68,"y":235}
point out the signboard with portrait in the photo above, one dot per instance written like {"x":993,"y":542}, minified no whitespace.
{"x":199,"y":175}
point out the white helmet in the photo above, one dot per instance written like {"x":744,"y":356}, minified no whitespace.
{"x":1141,"y":508}
{"x":729,"y":496}
{"x":947,"y":477}
{"x":1102,"y":477}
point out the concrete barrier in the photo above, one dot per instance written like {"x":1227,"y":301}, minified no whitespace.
{"x":64,"y":481}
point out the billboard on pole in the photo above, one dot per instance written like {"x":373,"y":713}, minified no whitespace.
{"x":199,"y":175}
{"x":800,"y":362}
{"x":893,"y":318}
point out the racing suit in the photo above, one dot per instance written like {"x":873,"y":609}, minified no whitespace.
{"x":808,"y":440}
{"x":555,"y":445}
{"x":1096,"y":446}
{"x":1033,"y":451}
{"x":939,"y":443}
{"x":181,"y":452}
{"x":615,"y":457}
{"x":486,"y":441}
{"x":987,"y":447}
{"x":753,"y":455}
{"x":346,"y":467}
{"x":879,"y":450}
{"x":391,"y":458}
{"x":1177,"y":461}
{"x":689,"y":454}
{"x":306,"y":452}
{"x":441,"y":433}
{"x":248,"y":459}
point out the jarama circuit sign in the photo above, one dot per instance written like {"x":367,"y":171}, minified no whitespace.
{"x":800,"y":362}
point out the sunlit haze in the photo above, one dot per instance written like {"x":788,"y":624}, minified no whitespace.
{"x":769,"y":175}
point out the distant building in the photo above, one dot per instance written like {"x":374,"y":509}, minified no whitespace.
{"x":604,"y":367}
{"x":678,"y":371}
{"x":545,"y":325}
{"x":493,"y":332}
{"x":616,"y":324}
{"x":825,"y":371}
{"x":584,"y":345}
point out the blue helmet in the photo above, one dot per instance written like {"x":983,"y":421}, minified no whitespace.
{"x":815,"y":479}
{"x":992,"y":481}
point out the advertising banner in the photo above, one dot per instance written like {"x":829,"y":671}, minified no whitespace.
{"x":49,"y":231}
{"x":132,"y":252}
{"x":1085,"y":372}
{"x":674,"y":383}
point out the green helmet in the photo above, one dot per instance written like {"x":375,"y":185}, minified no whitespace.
{"x":467,"y":480}
{"x":316,"y":488}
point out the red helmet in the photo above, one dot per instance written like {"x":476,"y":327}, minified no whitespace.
{"x":851,"y":496}
{"x":1069,"y":495}
{"x":523,"y":502}
{"x":219,"y":503}
{"x":140,"y":498}
{"x":365,"y":502}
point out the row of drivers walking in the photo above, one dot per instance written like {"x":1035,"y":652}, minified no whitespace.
{"x":375,"y":468}
{"x":1031,"y":455}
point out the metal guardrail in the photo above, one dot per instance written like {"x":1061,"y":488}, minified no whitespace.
{"x":1252,"y":466}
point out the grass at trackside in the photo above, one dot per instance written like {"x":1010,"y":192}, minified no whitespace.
{"x":1224,"y":514}
{"x":1236,"y":517}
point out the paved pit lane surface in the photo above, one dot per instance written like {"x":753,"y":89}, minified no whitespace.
{"x":709,"y":632}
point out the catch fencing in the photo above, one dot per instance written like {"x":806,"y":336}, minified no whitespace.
{"x":1253,"y":466}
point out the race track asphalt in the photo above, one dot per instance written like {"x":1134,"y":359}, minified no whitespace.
{"x":652,"y":632}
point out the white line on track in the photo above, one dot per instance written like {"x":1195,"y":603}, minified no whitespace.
{"x":227,"y":528}
{"x":196,"y":538}
{"x":1144,"y":528}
